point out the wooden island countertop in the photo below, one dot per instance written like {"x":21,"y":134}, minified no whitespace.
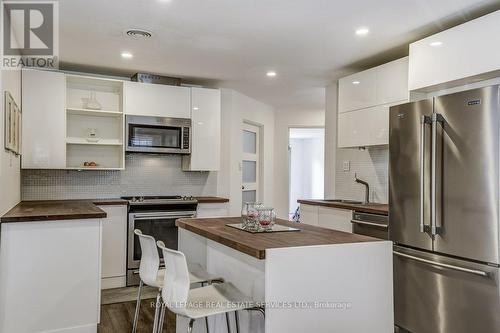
{"x":256,"y":245}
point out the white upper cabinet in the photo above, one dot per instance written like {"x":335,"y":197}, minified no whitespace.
{"x":147,"y":99}
{"x":392,"y":82}
{"x":44,"y":121}
{"x":461,"y":55}
{"x":358,"y":91}
{"x":384,"y":84}
{"x":365,"y":127}
{"x":364,"y":101}
{"x":206,"y":131}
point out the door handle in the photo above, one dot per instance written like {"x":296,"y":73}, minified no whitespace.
{"x":423,"y":120}
{"x":439,"y":264}
{"x":435,"y":230}
{"x":371,"y":224}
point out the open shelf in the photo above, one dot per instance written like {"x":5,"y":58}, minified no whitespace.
{"x":101,"y":142}
{"x":107,"y":123}
{"x":96,"y":113}
{"x":107,"y":157}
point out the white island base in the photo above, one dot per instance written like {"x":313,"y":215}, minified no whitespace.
{"x":345,"y":288}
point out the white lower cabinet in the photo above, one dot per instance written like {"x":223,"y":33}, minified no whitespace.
{"x":325,"y":217}
{"x":334,"y":218}
{"x":114,"y":247}
{"x":212,"y":210}
{"x":309,"y":214}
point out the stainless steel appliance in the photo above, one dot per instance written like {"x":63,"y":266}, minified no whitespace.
{"x":373,"y":225}
{"x":155,"y":216}
{"x":444,"y":212}
{"x":162,"y":135}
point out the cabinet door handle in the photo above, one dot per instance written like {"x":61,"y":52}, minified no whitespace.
{"x":371,"y":224}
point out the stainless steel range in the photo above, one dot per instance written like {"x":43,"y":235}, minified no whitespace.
{"x":155,"y":216}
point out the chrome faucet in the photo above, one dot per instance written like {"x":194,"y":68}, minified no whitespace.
{"x":367,"y":187}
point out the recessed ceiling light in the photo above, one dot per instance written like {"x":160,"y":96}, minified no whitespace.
{"x":127,"y":55}
{"x":436,"y":43}
{"x":362,"y":31}
{"x":356,"y":82}
{"x":271,"y":73}
{"x":196,"y":108}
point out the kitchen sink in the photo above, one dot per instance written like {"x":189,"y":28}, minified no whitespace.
{"x":352,"y":202}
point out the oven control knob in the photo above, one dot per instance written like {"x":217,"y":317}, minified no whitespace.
{"x":141,"y":199}
{"x":134,"y":199}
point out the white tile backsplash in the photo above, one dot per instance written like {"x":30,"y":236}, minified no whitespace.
{"x":371,"y":165}
{"x":145,"y":174}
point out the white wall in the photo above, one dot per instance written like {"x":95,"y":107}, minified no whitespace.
{"x":284,"y":120}
{"x":237,"y":109}
{"x":10,"y":174}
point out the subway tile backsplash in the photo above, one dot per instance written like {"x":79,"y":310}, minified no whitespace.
{"x":144,"y":174}
{"x":371,"y":165}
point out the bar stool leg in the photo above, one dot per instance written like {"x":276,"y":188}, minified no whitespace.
{"x":227,"y":323}
{"x":137,"y":307}
{"x":237,"y":320}
{"x":157,"y":312}
{"x":162,"y":318}
{"x":206,"y":323}
{"x":190,"y":326}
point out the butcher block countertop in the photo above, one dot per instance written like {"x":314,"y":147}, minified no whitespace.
{"x":374,"y":208}
{"x":256,"y":245}
{"x":28,"y":211}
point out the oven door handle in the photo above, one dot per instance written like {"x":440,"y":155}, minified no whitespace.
{"x":371,"y":224}
{"x":156,"y":216}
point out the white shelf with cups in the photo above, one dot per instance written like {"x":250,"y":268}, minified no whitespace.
{"x":94,"y":123}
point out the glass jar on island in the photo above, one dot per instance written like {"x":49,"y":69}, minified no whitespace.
{"x":249,"y":215}
{"x":266,"y":218}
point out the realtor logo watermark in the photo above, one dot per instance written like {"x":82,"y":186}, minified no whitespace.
{"x":30,"y":34}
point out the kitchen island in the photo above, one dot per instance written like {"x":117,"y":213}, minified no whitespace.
{"x":311,"y":280}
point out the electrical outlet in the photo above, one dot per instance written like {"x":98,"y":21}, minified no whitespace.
{"x":346,"y":165}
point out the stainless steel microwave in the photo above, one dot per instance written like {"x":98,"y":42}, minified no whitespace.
{"x":159,"y":135}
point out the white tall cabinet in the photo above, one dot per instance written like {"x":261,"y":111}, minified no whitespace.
{"x":206,"y":131}
{"x":364,"y":101}
{"x":44,"y":120}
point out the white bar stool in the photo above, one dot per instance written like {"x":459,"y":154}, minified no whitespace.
{"x":201,"y":302}
{"x":151,"y":275}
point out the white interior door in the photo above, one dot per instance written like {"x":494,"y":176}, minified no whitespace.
{"x":250,"y":165}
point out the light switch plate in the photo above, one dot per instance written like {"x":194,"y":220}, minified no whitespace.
{"x":346,"y":165}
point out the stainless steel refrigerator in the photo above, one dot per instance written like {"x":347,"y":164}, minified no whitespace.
{"x":444,"y":212}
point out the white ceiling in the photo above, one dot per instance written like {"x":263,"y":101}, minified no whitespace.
{"x":232,"y":43}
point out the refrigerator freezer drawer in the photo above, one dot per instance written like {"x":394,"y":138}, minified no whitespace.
{"x":436,"y":294}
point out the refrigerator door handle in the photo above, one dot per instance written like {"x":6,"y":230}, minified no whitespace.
{"x":423,"y":121}
{"x":435,"y":230}
{"x":439,"y":264}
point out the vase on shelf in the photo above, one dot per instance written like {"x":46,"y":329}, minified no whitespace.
{"x":91,"y":103}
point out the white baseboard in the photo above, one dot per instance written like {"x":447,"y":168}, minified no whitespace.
{"x":113,"y":282}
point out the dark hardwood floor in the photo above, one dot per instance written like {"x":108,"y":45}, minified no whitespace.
{"x":118,"y":318}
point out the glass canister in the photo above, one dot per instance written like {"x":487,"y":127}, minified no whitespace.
{"x":249,"y":215}
{"x":266,"y":218}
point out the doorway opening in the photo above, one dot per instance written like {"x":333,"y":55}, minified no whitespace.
{"x":306,"y":156}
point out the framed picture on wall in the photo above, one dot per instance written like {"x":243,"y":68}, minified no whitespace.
{"x":12,"y":125}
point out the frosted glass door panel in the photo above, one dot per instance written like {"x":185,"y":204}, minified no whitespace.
{"x":249,"y":142}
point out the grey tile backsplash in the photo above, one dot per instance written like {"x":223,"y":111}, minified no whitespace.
{"x":145,"y":174}
{"x":371,"y":165}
